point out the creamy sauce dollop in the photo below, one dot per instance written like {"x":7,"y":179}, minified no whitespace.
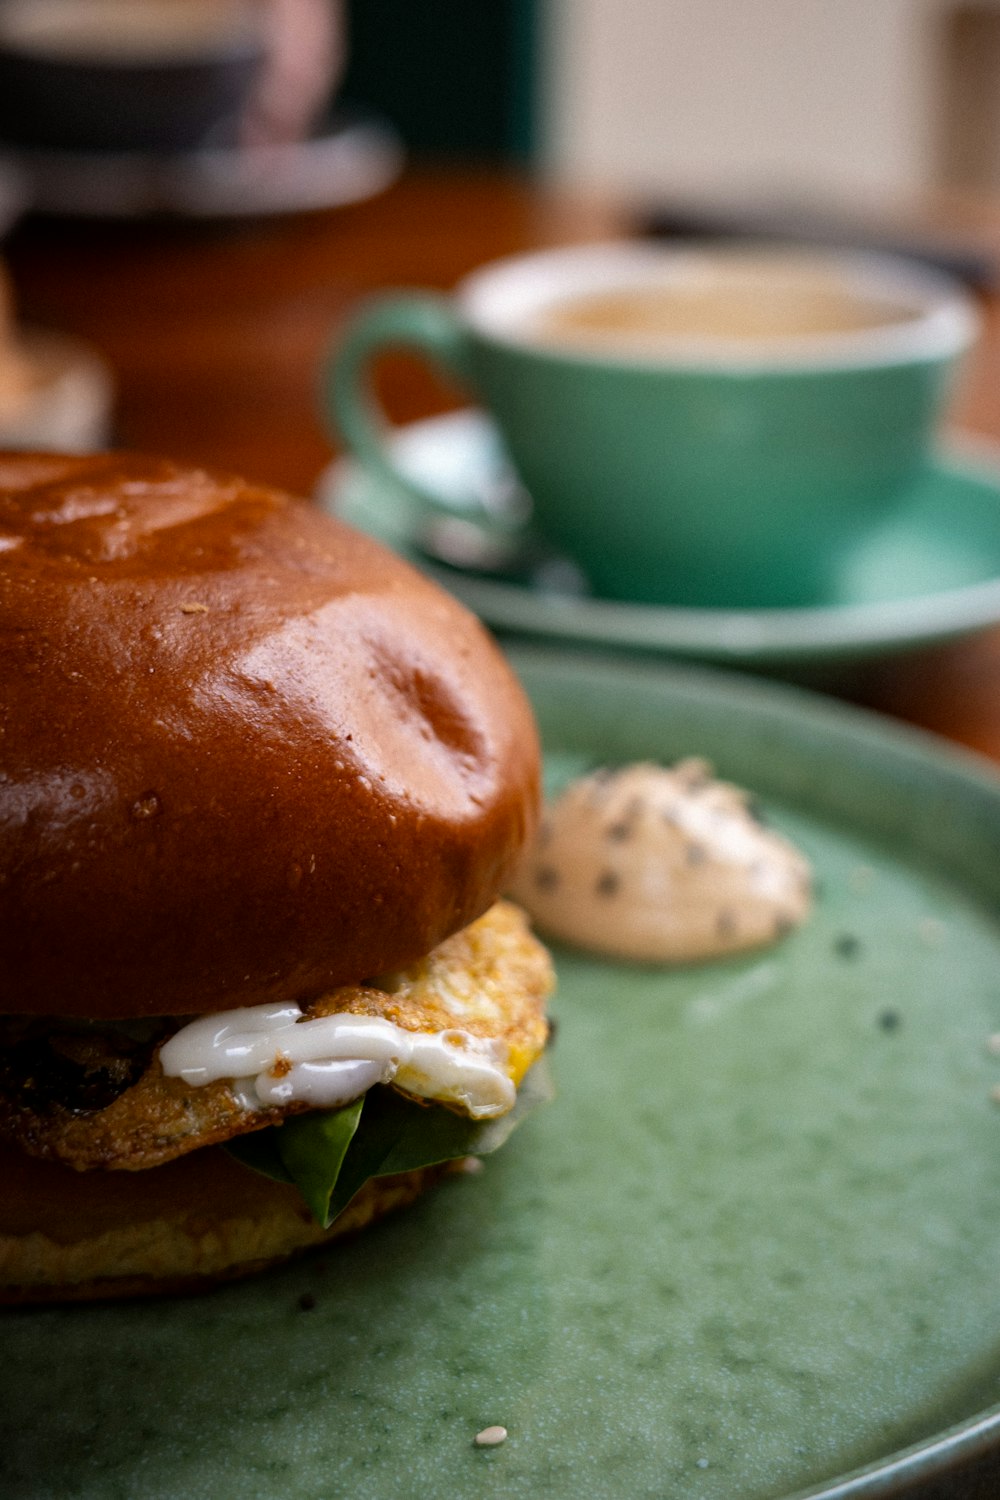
{"x":661,"y":865}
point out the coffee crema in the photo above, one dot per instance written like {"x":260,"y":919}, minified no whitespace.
{"x":122,"y":30}
{"x":758,"y":308}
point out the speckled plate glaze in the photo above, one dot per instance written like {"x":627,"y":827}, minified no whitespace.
{"x":752,"y":1250}
{"x":928,"y":574}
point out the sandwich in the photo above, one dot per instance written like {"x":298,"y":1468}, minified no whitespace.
{"x":261,"y":786}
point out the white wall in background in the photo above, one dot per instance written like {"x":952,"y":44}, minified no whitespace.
{"x":832,"y":99}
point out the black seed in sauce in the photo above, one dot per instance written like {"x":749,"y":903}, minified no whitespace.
{"x":546,"y":877}
{"x":725,"y":923}
{"x":755,"y":812}
{"x":608,"y":884}
{"x":695,"y":854}
{"x":307,"y":1302}
{"x":620,"y":832}
{"x":783,"y":925}
{"x":601,"y":782}
{"x":693,"y":775}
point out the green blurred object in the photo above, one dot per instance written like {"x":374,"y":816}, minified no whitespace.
{"x":456,"y":79}
{"x":702,"y":474}
{"x":931,"y":574}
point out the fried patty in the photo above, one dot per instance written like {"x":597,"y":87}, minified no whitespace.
{"x":95,"y":1095}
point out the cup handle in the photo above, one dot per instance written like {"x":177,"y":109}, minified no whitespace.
{"x":428,"y":324}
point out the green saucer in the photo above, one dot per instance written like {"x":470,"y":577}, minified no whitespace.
{"x":751,"y":1251}
{"x":929,"y":574}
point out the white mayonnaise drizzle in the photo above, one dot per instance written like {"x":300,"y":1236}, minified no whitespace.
{"x":329,"y":1060}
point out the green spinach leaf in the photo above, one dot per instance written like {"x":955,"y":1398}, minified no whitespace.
{"x":330,"y":1154}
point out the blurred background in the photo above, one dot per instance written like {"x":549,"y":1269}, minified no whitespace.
{"x":195,"y":194}
{"x":827,"y":101}
{"x":870,"y":99}
{"x":806,"y":98}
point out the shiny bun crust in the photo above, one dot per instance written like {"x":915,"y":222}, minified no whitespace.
{"x":246,"y":754}
{"x":81,"y":1236}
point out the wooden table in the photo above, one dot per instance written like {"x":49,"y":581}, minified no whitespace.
{"x":218,"y":334}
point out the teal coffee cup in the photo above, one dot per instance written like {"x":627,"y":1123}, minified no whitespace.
{"x":694,"y":426}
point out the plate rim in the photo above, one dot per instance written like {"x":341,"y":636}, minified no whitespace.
{"x":887,"y":1478}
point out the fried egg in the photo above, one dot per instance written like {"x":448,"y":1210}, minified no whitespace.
{"x":459,"y":1027}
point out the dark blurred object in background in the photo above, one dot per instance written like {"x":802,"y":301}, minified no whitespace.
{"x":165,"y":76}
{"x":457,"y":78}
{"x":217,"y":109}
{"x":118,"y":75}
{"x":961,"y":254}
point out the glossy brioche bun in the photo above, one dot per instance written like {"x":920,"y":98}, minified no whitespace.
{"x":246,"y":754}
{"x":79,"y":1236}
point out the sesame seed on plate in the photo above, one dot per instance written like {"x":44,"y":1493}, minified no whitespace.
{"x":490,"y":1437}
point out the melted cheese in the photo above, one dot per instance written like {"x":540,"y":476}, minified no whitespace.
{"x":327,"y":1061}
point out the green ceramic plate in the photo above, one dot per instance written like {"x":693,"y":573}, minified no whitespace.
{"x":929,"y":574}
{"x":750,"y":1252}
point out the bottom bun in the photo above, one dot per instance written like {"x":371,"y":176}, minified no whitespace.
{"x":77,"y":1236}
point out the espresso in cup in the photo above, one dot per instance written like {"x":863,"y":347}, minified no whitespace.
{"x":122,"y":30}
{"x":127,"y":75}
{"x":772,"y":300}
{"x":695,"y":426}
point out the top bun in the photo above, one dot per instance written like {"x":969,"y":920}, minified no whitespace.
{"x":245,"y":753}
